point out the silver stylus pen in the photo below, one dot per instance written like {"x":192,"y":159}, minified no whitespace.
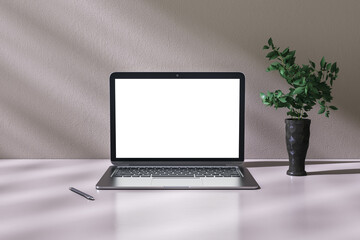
{"x":87,"y":196}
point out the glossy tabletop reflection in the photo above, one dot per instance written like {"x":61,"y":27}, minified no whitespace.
{"x":35,"y":203}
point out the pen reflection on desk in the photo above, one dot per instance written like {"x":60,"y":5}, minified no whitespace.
{"x":87,"y":196}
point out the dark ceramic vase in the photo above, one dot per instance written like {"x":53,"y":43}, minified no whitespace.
{"x":297,"y":143}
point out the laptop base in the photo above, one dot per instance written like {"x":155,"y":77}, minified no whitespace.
{"x":107,"y":182}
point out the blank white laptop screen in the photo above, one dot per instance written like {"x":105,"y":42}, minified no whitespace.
{"x":177,"y":118}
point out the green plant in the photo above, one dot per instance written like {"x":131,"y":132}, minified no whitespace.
{"x":308,"y":85}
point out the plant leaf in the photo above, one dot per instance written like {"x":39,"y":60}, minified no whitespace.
{"x":265,"y":47}
{"x":307,"y":108}
{"x":270,"y":68}
{"x":282,"y":71}
{"x":333,"y":67}
{"x":298,"y":90}
{"x":292,"y":53}
{"x":322,"y":62}
{"x":333,"y":108}
{"x":328,"y":66}
{"x":293,"y":114}
{"x":286,"y":50}
{"x":314,"y":90}
{"x":322,"y":110}
{"x":282,"y":99}
{"x":298,"y":82}
{"x":272,"y":55}
{"x":262,"y":96}
{"x":275,"y":65}
{"x":270,"y":42}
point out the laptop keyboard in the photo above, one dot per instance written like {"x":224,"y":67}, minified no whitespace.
{"x":202,"y":171}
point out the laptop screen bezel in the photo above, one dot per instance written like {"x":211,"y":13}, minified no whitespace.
{"x":176,"y":75}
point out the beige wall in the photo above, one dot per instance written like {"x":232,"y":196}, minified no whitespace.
{"x":56,"y":57}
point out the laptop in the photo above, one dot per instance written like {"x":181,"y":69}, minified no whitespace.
{"x":177,"y":131}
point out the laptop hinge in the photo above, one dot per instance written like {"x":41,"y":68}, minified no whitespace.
{"x":177,"y":163}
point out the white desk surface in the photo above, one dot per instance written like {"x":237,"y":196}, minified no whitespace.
{"x":35,"y":204}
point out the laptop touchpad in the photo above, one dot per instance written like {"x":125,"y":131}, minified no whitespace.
{"x":179,"y":182}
